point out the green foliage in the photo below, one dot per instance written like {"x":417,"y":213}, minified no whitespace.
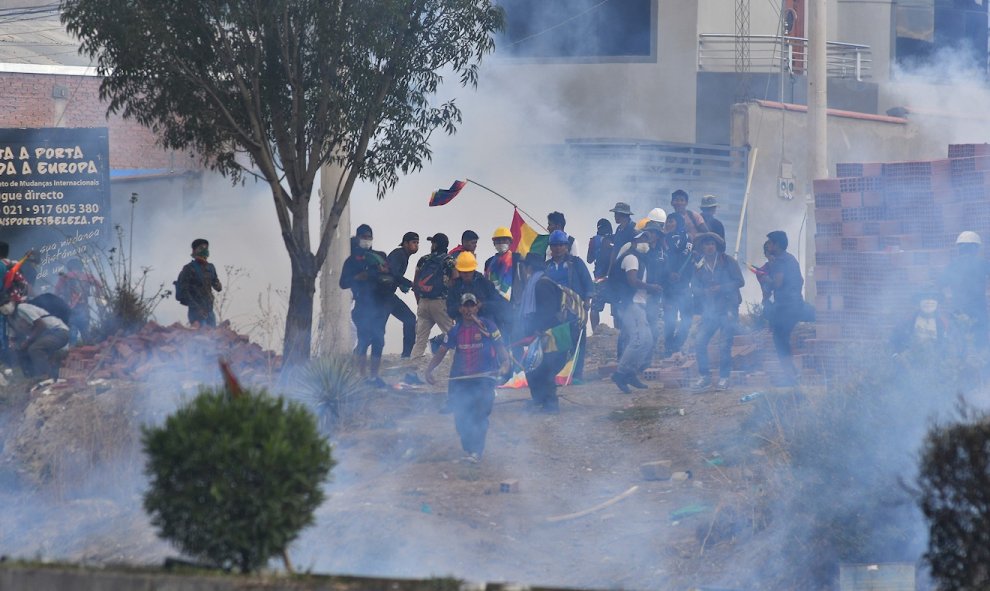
{"x":954,"y":495}
{"x":335,"y":388}
{"x":234,"y":480}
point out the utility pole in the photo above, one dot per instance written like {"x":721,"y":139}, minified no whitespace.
{"x":335,"y":335}
{"x":742,"y":61}
{"x":817,"y":129}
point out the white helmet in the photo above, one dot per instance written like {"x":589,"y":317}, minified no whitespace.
{"x":657,"y":215}
{"x":968,"y":237}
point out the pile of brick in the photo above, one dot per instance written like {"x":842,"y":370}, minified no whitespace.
{"x":181,"y":351}
{"x":884,"y":232}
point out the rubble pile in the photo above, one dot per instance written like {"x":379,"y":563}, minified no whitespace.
{"x":883,"y":232}
{"x":180,"y":350}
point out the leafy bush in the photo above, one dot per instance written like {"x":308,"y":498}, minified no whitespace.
{"x":235,"y":479}
{"x":954,"y":495}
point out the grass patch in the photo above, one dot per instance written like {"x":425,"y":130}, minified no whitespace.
{"x":643,"y":413}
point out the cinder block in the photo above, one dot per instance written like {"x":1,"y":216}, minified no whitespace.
{"x":659,"y":470}
{"x":509,"y":486}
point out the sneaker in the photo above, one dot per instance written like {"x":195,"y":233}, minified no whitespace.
{"x":620,"y":381}
{"x":702,"y":384}
{"x":723,"y":384}
{"x":635,"y":383}
{"x":471,"y":458}
{"x":377,"y":382}
{"x":412,"y":379}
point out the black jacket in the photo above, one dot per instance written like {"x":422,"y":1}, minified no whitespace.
{"x":197,"y":281}
{"x":493,"y":305}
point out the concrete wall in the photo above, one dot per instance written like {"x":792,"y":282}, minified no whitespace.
{"x":869,"y":22}
{"x":876,"y":139}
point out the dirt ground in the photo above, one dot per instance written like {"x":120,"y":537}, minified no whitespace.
{"x":402,"y":503}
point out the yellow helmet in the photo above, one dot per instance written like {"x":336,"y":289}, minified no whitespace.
{"x":501,"y":232}
{"x":642,"y":223}
{"x":466,"y":262}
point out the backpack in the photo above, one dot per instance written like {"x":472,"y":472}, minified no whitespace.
{"x":618,"y":287}
{"x":54,"y":305}
{"x":430,"y":276}
{"x":182,"y":294}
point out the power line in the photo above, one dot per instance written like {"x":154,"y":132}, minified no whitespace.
{"x":560,"y":24}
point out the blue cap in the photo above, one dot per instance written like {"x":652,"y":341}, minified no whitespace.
{"x":558,"y":237}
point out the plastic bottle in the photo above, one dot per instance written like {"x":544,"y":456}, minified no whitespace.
{"x":751,"y":396}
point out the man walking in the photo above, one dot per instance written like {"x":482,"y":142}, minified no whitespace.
{"x":479,"y":359}
{"x":785,"y":284}
{"x":398,"y":262}
{"x":716,"y":286}
{"x":599,"y":255}
{"x":569,"y":271}
{"x":365,"y":273}
{"x":433,"y":272}
{"x":196,"y":283}
{"x":635,"y":328}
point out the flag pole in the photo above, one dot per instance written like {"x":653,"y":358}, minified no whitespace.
{"x":577,"y":351}
{"x":506,"y":199}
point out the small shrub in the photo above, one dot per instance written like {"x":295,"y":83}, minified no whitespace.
{"x":125,"y":303}
{"x":334,"y":387}
{"x":234,"y":480}
{"x":954,"y":495}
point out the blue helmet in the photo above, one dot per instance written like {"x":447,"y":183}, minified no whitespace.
{"x":558,"y":237}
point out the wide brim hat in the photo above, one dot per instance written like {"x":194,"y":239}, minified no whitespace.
{"x":706,"y":236}
{"x":622,"y":208}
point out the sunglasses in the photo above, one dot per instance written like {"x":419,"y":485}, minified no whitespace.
{"x":469,"y":304}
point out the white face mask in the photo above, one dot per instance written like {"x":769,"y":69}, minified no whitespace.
{"x":928,"y":307}
{"x":7,"y":309}
{"x":365,"y":244}
{"x":642,"y":247}
{"x":502,"y":248}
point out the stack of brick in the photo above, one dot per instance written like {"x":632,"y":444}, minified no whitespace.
{"x":182,"y":352}
{"x":884,"y":232}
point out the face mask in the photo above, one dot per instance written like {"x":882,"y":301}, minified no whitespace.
{"x":7,"y":309}
{"x":365,"y":244}
{"x":502,"y":248}
{"x":642,"y":248}
{"x":928,"y":307}
{"x":204,"y":253}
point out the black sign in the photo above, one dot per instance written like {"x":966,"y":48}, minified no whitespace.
{"x":54,"y":195}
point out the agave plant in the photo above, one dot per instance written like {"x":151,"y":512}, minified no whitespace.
{"x":334,"y":388}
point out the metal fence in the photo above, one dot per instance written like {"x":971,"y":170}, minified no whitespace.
{"x":772,"y":53}
{"x":647,"y":172}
